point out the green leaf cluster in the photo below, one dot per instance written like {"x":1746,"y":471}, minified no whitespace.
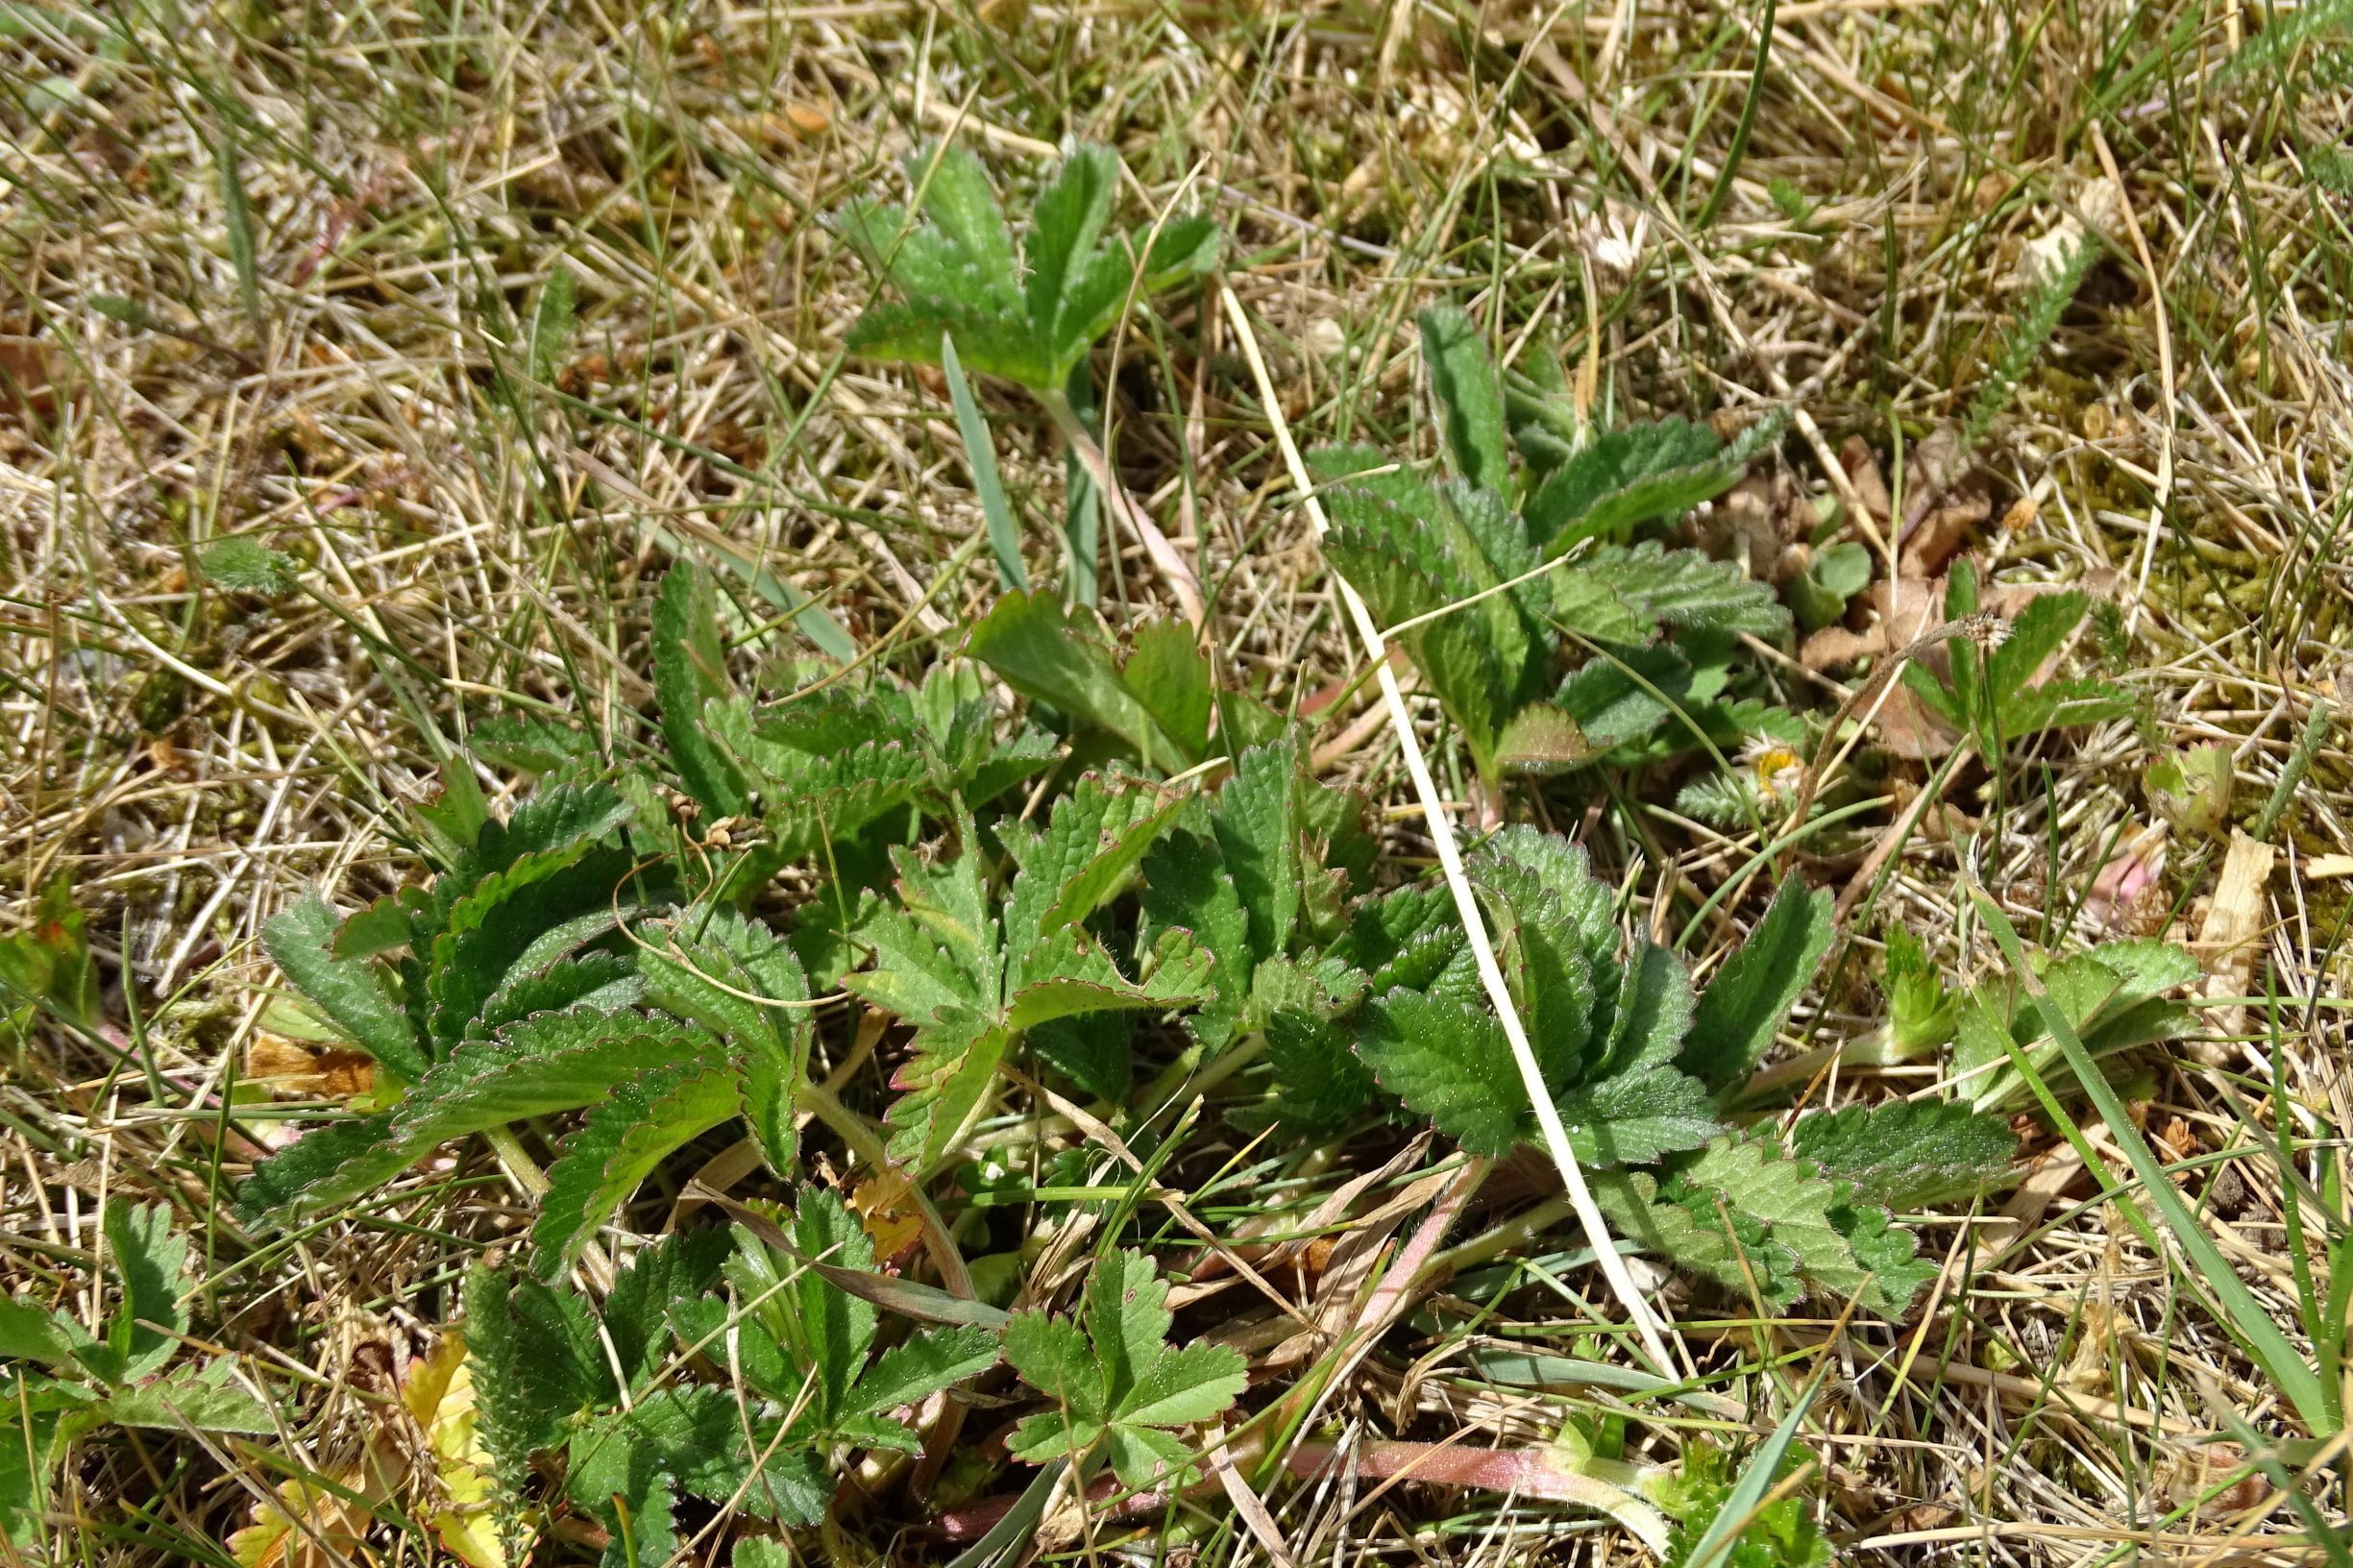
{"x":2114,"y":996}
{"x":1460,"y":563}
{"x":1991,"y":693}
{"x":1027,"y":312}
{"x":793,"y":1377}
{"x":61,"y":1380}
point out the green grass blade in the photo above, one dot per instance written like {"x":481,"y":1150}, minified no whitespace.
{"x":1733,"y":155}
{"x":2243,"y":1314}
{"x":1748,"y":1493}
{"x":980,"y":456}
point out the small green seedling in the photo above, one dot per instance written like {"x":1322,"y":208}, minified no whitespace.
{"x":1990,"y":694}
{"x":1118,"y":1385}
{"x":969,"y":298}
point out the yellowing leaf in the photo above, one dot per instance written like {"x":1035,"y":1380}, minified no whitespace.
{"x":439,"y":1393}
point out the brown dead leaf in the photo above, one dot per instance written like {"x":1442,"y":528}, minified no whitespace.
{"x":1862,"y":468}
{"x":884,"y":1205}
{"x":2234,"y":929}
{"x":292,"y":1068}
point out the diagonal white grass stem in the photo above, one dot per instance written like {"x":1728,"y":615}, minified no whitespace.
{"x":1449,"y":858}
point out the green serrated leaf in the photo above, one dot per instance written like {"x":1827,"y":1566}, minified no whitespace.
{"x":149,"y":1259}
{"x":922,"y":1366}
{"x":29,"y":1333}
{"x":1906,"y":1154}
{"x":203,"y":1399}
{"x":1745,"y":1005}
{"x":690,"y":669}
{"x":1449,"y":1063}
{"x":1052,"y":1355}
{"x":636,"y":1127}
{"x":1172,"y":679}
{"x":244,"y":565}
{"x":682,"y":1266}
{"x":349,"y":991}
{"x":732,"y":976}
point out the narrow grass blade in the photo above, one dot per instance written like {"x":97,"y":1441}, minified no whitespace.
{"x":1723,"y":190}
{"x":237,"y":218}
{"x":1748,"y":1494}
{"x":2244,"y":1315}
{"x":980,"y":456}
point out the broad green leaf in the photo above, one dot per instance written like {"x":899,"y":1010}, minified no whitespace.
{"x":1906,"y":1154}
{"x":1759,"y":1180}
{"x":1449,"y":1063}
{"x":149,"y":1259}
{"x":1749,"y":998}
{"x":349,"y":991}
{"x":1651,"y":1012}
{"x":1094,"y":840}
{"x":1048,"y":655}
{"x":911,"y":331}
{"x":1168,"y":674}
{"x":1470,"y":398}
{"x":690,"y":669}
{"x":1064,"y":227}
{"x":639,"y":1125}
{"x":29,"y":1333}
{"x":1636,"y":1117}
{"x":205,"y":1399}
{"x":1686,"y":589}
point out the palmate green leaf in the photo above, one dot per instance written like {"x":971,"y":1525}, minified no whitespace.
{"x":690,"y":669}
{"x":1745,"y":1005}
{"x":1120,"y":1379}
{"x":1469,"y":396}
{"x":349,"y":992}
{"x":1638,"y":475}
{"x":958,"y":200}
{"x":640,"y":1124}
{"x":1906,"y":1154}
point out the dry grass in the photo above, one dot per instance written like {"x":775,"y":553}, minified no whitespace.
{"x":271,"y":275}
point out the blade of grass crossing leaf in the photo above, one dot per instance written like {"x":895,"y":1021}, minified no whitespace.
{"x":1011,"y":1533}
{"x":1748,"y":1494}
{"x":2245,"y":1315}
{"x":1733,"y":155}
{"x":980,"y":458}
{"x":1458,"y":881}
{"x":237,"y":219}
